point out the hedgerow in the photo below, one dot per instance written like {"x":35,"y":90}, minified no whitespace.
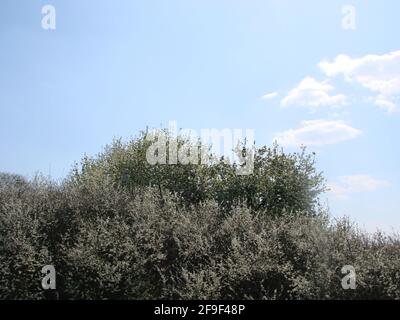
{"x":117,"y":228}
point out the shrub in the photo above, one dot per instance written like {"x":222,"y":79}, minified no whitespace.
{"x":279,"y":182}
{"x":117,"y":229}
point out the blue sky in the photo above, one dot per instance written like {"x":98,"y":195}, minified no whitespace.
{"x":285,"y":68}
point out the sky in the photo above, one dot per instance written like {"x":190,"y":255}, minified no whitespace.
{"x":325,"y":74}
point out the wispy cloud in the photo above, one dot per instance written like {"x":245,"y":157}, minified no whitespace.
{"x":317,"y":133}
{"x":383,"y":103}
{"x":348,"y":185}
{"x":269,"y":95}
{"x":313,"y":94}
{"x":378,"y":73}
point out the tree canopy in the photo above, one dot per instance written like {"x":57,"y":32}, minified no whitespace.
{"x":280,"y":182}
{"x":119,"y":227}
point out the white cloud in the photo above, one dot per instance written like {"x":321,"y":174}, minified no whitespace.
{"x":313,"y":94}
{"x":383,"y":103}
{"x":378,"y":73}
{"x":356,"y":184}
{"x":317,"y":133}
{"x":269,"y":96}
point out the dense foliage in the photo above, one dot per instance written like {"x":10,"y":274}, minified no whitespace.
{"x":279,"y":182}
{"x":118,"y":228}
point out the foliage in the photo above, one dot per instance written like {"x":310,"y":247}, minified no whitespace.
{"x":279,"y":182}
{"x":120,"y":229}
